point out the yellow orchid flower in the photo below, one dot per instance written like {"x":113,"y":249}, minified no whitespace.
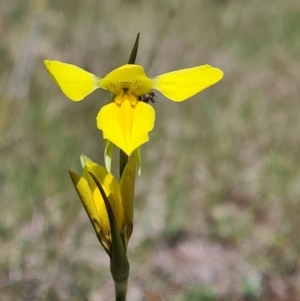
{"x":120,"y":196}
{"x":126,"y":121}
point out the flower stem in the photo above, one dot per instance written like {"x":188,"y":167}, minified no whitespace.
{"x":123,"y":162}
{"x":120,"y":262}
{"x":121,"y":290}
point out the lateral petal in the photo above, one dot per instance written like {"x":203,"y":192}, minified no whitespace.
{"x":74,"y":82}
{"x":182,"y":84}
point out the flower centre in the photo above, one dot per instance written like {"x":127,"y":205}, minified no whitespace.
{"x":125,"y":95}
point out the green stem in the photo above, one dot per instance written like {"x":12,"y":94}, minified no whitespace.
{"x":121,"y":290}
{"x":123,"y":162}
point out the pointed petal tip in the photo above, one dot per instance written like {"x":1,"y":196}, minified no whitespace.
{"x":74,"y":177}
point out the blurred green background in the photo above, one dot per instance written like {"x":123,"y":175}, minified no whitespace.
{"x":217,"y":211}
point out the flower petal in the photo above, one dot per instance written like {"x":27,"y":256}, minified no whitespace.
{"x":182,"y":84}
{"x":143,"y":123}
{"x":128,"y":76}
{"x":126,"y":126}
{"x":84,"y":192}
{"x":112,"y":191}
{"x":74,"y":82}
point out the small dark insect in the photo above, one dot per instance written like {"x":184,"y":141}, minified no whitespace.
{"x":147,"y":97}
